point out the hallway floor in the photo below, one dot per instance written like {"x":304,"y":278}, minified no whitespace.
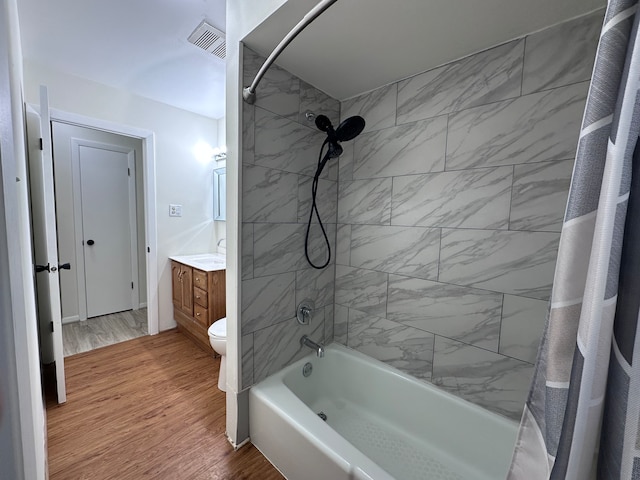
{"x":147,"y":408}
{"x":97,"y":332}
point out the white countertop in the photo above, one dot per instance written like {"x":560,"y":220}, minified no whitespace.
{"x":208,"y":262}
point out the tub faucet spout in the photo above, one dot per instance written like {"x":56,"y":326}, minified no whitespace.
{"x":318,"y":347}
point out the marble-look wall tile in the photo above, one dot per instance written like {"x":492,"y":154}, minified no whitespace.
{"x":278,"y":92}
{"x":534,"y":128}
{"x":343,"y":245}
{"x":326,"y":200}
{"x":413,"y":148}
{"x":466,"y":314}
{"x":519,"y":263}
{"x":267,"y":300}
{"x":277,"y":346}
{"x":365,"y":290}
{"x":412,"y":251}
{"x":378,"y":108}
{"x":365,"y":201}
{"x":286,"y":145}
{"x":329,"y":323}
{"x":319,"y":103}
{"x":405,"y":348}
{"x":247,"y":360}
{"x":488,"y":379}
{"x":479,"y":79}
{"x":340,"y":324}
{"x":476,"y":198}
{"x":561,"y":55}
{"x":345,"y":162}
{"x":269,"y":195}
{"x":277,"y":248}
{"x":540,"y":193}
{"x":316,"y":285}
{"x":523,"y":321}
{"x":248,"y":133}
{"x":247,"y":250}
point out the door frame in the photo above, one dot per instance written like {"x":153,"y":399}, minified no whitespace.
{"x":150,"y":210}
{"x":78,"y":221}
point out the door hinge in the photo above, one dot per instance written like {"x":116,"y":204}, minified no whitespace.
{"x":128,"y":171}
{"x":148,"y":249}
{"x":131,"y":285}
{"x":41,"y":144}
{"x":51,"y":326}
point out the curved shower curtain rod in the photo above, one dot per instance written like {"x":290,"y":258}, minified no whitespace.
{"x":249,"y":93}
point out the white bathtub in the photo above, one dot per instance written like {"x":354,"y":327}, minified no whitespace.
{"x":381,"y":424}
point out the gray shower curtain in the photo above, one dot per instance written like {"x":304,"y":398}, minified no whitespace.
{"x":581,"y":419}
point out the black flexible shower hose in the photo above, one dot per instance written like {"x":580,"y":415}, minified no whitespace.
{"x":314,"y":208}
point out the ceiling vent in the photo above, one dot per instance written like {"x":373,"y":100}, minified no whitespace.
{"x":210,"y":39}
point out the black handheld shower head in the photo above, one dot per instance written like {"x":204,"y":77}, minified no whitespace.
{"x":347,"y":130}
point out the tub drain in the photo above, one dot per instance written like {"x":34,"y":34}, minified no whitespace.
{"x":307,"y":369}
{"x":323,"y":416}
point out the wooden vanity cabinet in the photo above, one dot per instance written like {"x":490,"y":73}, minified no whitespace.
{"x":198,"y":301}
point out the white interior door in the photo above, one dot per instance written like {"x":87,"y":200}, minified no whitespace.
{"x":107,"y":227}
{"x":45,"y":240}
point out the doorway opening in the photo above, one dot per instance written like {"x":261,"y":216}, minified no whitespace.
{"x":100,"y":219}
{"x":146,"y":183}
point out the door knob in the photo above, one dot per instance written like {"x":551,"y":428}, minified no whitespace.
{"x":90,"y":242}
{"x":65,"y":266}
{"x":42,"y":268}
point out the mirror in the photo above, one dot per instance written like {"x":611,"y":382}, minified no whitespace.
{"x":220,"y":194}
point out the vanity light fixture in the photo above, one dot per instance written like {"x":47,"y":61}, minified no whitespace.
{"x":220,"y":153}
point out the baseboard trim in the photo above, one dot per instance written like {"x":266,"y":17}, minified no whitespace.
{"x":72,"y":319}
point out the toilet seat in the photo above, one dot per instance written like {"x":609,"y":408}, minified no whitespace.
{"x":219,"y":328}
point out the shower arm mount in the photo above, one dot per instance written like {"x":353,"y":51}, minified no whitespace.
{"x":249,"y":93}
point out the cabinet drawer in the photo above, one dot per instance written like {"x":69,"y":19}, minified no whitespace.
{"x":200,"y":279}
{"x":201,"y":315}
{"x":200,"y":297}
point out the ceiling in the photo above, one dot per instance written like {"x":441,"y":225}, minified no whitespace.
{"x":359,"y":45}
{"x":354,"y":47}
{"x":137,"y":45}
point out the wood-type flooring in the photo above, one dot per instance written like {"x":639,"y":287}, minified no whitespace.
{"x":146,"y":408}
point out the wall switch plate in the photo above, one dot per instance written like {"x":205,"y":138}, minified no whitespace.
{"x":175,"y":210}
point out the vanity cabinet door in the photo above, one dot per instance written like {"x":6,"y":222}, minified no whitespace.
{"x":182,"y":286}
{"x":187,"y":289}
{"x":176,"y":284}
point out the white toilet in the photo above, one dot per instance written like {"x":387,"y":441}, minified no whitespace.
{"x":218,"y":340}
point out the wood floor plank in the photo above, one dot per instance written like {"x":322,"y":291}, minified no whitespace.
{"x":147,"y":408}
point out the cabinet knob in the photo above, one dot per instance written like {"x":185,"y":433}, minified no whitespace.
{"x":198,"y":314}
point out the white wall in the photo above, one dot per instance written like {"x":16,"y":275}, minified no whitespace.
{"x":180,"y":177}
{"x":242,"y":17}
{"x":22,"y":417}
